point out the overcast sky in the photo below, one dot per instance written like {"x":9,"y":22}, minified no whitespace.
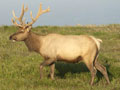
{"x":64,"y":12}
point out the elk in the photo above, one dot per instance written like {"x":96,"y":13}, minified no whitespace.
{"x":57,"y":47}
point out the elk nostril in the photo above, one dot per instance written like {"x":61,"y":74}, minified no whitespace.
{"x":10,"y":37}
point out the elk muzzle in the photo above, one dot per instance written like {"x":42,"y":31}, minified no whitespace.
{"x":13,"y":38}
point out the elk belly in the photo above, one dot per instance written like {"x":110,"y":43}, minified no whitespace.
{"x":69,"y":54}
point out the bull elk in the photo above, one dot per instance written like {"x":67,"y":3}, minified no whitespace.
{"x":56,"y":47}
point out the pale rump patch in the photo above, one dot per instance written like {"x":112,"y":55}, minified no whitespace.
{"x":97,"y":41}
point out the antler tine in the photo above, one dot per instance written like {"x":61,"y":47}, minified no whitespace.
{"x":40,"y":11}
{"x":13,"y":12}
{"x":15,"y":23}
{"x":21,"y":15}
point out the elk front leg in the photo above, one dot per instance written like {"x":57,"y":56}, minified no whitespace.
{"x":52,"y":69}
{"x":45,"y":63}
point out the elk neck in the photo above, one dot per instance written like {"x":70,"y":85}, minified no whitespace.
{"x":33,"y":42}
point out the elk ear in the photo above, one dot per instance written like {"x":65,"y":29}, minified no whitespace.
{"x":28,"y":28}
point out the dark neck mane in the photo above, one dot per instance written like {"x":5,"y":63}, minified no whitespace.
{"x":33,"y":42}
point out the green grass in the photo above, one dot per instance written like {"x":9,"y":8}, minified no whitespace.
{"x":19,"y":69}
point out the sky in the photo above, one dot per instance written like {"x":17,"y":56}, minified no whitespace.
{"x":64,"y":12}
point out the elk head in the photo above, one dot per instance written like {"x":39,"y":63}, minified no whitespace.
{"x":24,"y":29}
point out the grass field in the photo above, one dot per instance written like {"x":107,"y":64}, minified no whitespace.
{"x":19,"y":69}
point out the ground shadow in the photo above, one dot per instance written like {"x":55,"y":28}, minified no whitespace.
{"x":64,"y":68}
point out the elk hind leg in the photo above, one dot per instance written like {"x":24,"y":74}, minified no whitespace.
{"x":93,"y":71}
{"x":103,"y":70}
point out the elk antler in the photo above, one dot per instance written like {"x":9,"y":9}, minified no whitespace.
{"x":22,"y":23}
{"x":20,"y":18}
{"x":40,"y":11}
